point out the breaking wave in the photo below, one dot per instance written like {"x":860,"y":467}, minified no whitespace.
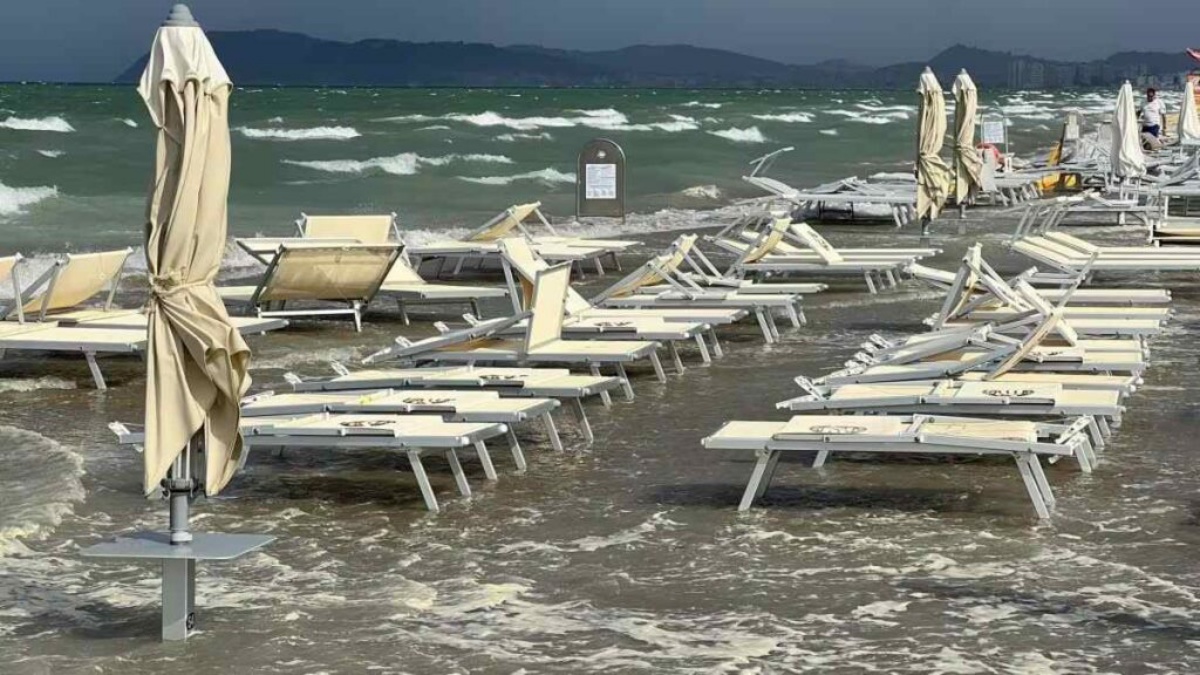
{"x":793,"y":117}
{"x":700,"y":104}
{"x":747,"y":135}
{"x":549,"y":176}
{"x":51,"y":153}
{"x":607,"y":119}
{"x":14,"y":199}
{"x":41,"y":483}
{"x":828,"y":132}
{"x":129,"y":123}
{"x":403,"y":164}
{"x":311,"y":134}
{"x":512,"y":138}
{"x":56,"y":124}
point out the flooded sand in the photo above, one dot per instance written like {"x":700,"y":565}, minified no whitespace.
{"x":629,"y":556}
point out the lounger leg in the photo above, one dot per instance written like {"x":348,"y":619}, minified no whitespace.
{"x":1039,"y":476}
{"x":552,"y":431}
{"x":458,"y":266}
{"x":625,"y":384}
{"x":1031,"y":486}
{"x":762,"y":323}
{"x":800,"y":313}
{"x":756,"y":478}
{"x":674,"y":351}
{"x":819,"y":460}
{"x":599,"y":267}
{"x":718,"y":351}
{"x":584,"y":425}
{"x":514,"y":446}
{"x":97,"y":376}
{"x":794,"y":316}
{"x":1083,"y":457}
{"x":403,"y":311}
{"x":357,"y":317}
{"x":485,"y":458}
{"x":414,"y":459}
{"x":771,"y":324}
{"x":703,"y":347}
{"x":605,"y":397}
{"x":769,"y":474}
{"x":870,"y":283}
{"x":892,"y":278}
{"x":658,"y":367}
{"x":460,"y":476}
{"x":616,"y":261}
{"x":475,"y":309}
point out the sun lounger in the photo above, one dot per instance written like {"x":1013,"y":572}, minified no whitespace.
{"x":349,"y":274}
{"x":418,"y":436}
{"x":557,"y":383}
{"x":71,"y":281}
{"x":542,"y":343}
{"x":762,"y":257}
{"x":482,"y":242}
{"x":1067,"y":287}
{"x":1025,"y":442}
{"x":452,"y":405}
{"x":1070,"y":262}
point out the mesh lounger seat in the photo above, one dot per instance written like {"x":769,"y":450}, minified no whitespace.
{"x":1023,"y":441}
{"x":349,"y":274}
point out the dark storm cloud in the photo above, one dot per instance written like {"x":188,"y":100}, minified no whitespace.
{"x":94,"y":39}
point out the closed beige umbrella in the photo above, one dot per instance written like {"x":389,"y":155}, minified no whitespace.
{"x":1189,"y":121}
{"x":967,"y":164}
{"x":196,"y":360}
{"x":1126,"y":158}
{"x":933,"y":176}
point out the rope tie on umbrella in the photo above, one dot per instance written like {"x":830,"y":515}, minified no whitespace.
{"x":172,"y":283}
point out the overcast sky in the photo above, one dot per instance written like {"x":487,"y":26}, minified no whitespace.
{"x":95,"y":39}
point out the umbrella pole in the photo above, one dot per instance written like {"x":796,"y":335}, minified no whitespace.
{"x":180,"y":488}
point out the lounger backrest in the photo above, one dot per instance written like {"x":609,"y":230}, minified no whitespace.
{"x":504,"y":224}
{"x":767,"y":242}
{"x":402,"y":272}
{"x":350,"y":273}
{"x":1027,"y":345}
{"x":364,"y":229}
{"x":1073,"y":241}
{"x":7,"y":265}
{"x":78,"y":279}
{"x":647,"y":274}
{"x":462,"y":337}
{"x":549,"y":298}
{"x":817,"y":243}
{"x":526,"y":263}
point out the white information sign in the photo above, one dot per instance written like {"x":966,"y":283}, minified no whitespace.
{"x":992,"y":131}
{"x":600,"y":181}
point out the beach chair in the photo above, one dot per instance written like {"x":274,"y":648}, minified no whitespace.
{"x":1066,"y":286}
{"x":481,"y":243}
{"x":484,"y":342}
{"x":1029,"y":400}
{"x":417,"y":436}
{"x":72,"y":280}
{"x":557,"y":383}
{"x":1023,"y":441}
{"x":1067,"y":260}
{"x":365,"y":229}
{"x":349,"y":274}
{"x":521,"y":265}
{"x":452,"y":405}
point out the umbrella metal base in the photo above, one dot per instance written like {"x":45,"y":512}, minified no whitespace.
{"x":178,"y":567}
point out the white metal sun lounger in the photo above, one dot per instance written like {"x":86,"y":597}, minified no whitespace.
{"x":403,"y":283}
{"x":1023,"y":441}
{"x":1049,"y":400}
{"x":70,"y":282}
{"x":453,"y":405}
{"x":1067,"y":286}
{"x":542,"y":343}
{"x":348,"y":274}
{"x":416,"y":435}
{"x":557,"y":383}
{"x":1072,"y":263}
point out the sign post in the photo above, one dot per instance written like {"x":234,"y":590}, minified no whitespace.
{"x":600,"y":180}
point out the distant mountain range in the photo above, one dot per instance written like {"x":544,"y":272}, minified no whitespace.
{"x":268,"y":57}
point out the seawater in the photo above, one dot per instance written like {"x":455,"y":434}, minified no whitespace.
{"x":625,"y":557}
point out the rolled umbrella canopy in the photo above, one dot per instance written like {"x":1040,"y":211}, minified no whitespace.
{"x":967,"y":164}
{"x":934,"y":178}
{"x":1126,"y":159}
{"x":197,"y":362}
{"x":1189,"y":120}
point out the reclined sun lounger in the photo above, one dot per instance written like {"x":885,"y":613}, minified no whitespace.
{"x":762,"y":257}
{"x":1045,"y":401}
{"x":349,"y":274}
{"x":1053,"y":255}
{"x":482,"y":242}
{"x":542,"y":343}
{"x":71,"y":281}
{"x":655,"y":286}
{"x":1023,"y":441}
{"x":703,"y":274}
{"x":416,"y":435}
{"x":557,"y":383}
{"x":522,"y":265}
{"x":452,"y":405}
{"x":1066,"y":286}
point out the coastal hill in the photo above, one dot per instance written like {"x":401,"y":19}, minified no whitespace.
{"x":269,"y":57}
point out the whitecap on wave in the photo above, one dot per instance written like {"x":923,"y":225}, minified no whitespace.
{"x":792,"y":117}
{"x":403,"y":164}
{"x":41,"y":482}
{"x":55,"y":124}
{"x":512,"y":138}
{"x":737,"y":135}
{"x":13,"y":200}
{"x":548,"y":176}
{"x":129,"y":123}
{"x":701,"y":104}
{"x":702,"y":192}
{"x":309,"y":134}
{"x":52,"y":154}
{"x":607,"y":119}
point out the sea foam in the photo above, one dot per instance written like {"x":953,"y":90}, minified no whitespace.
{"x":14,"y":199}
{"x":309,"y":134}
{"x":747,"y":135}
{"x":792,"y":117}
{"x":55,"y":124}
{"x":548,"y":175}
{"x":403,"y":164}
